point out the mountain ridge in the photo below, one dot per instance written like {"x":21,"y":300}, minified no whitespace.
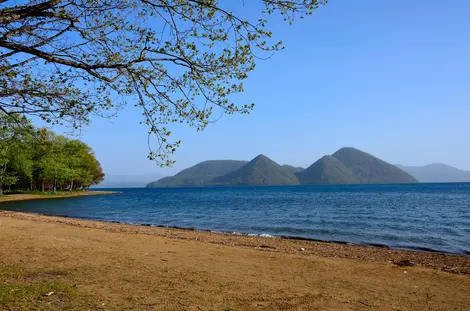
{"x":370,"y":169}
{"x":346,"y":166}
{"x":200,"y":174}
{"x":259,"y":171}
{"x":293,"y":169}
{"x":127,"y":181}
{"x":327,"y":170}
{"x":437,"y":172}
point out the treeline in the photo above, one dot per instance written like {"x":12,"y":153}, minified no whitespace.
{"x":39,"y":160}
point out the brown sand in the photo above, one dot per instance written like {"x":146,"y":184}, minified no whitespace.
{"x":58,"y":195}
{"x":123,"y":267}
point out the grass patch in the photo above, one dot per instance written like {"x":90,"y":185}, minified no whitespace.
{"x":7,"y":272}
{"x":37,"y":192}
{"x":39,"y":290}
{"x":35,"y":296}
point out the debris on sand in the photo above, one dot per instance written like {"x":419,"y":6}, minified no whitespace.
{"x":404,"y":263}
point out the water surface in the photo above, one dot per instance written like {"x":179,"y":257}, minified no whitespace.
{"x":414,"y":216}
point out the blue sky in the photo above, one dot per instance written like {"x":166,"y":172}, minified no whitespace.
{"x":389,"y":77}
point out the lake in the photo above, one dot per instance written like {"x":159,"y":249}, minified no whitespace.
{"x":429,"y":217}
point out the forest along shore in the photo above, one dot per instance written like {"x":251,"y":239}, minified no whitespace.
{"x":57,"y":195}
{"x":53,"y":263}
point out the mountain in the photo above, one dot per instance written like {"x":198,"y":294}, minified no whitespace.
{"x":437,"y":172}
{"x":293,"y":169}
{"x":328,"y":170}
{"x":259,"y":171}
{"x":200,"y":174}
{"x":371,"y":170}
{"x":345,"y":166}
{"x":127,"y":181}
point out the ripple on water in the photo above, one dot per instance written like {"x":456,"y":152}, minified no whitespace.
{"x":427,"y":217}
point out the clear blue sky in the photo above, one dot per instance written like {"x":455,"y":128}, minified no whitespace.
{"x":389,"y":77}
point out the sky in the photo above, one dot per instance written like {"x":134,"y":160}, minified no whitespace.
{"x":391,"y":78}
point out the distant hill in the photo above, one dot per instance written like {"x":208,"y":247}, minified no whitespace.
{"x":345,"y":166}
{"x":437,"y":172}
{"x":328,"y":170}
{"x":200,"y":174}
{"x":371,"y":170}
{"x":259,"y":171}
{"x":127,"y":181}
{"x":293,"y":169}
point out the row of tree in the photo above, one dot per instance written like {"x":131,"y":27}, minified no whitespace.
{"x":37,"y":159}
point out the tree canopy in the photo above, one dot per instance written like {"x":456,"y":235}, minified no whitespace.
{"x":38,"y":159}
{"x":65,"y":60}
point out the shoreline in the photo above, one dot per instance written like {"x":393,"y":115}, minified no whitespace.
{"x":284,"y":237}
{"x":59,"y":195}
{"x":447,"y":262}
{"x":31,"y":197}
{"x":54,"y":263}
{"x":420,"y":249}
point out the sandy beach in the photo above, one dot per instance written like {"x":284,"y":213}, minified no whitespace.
{"x":90,"y":265}
{"x":58,"y":195}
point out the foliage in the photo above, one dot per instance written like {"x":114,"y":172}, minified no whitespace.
{"x":175,"y":59}
{"x":39,"y":159}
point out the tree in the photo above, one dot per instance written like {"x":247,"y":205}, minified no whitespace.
{"x":12,"y":153}
{"x":64,"y":60}
{"x":21,"y":161}
{"x":53,"y":164}
{"x":83,"y":168}
{"x":75,"y":151}
{"x":42,"y":146}
{"x":6,"y":178}
{"x":32,"y":158}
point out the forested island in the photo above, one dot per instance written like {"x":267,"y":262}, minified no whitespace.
{"x":346,"y":166}
{"x":37,"y":159}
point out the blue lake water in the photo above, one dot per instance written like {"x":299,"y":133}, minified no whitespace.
{"x":414,"y":216}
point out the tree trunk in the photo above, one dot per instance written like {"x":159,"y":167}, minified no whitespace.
{"x":71,"y":185}
{"x":54,"y":186}
{"x":42,"y":185}
{"x":1,"y":189}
